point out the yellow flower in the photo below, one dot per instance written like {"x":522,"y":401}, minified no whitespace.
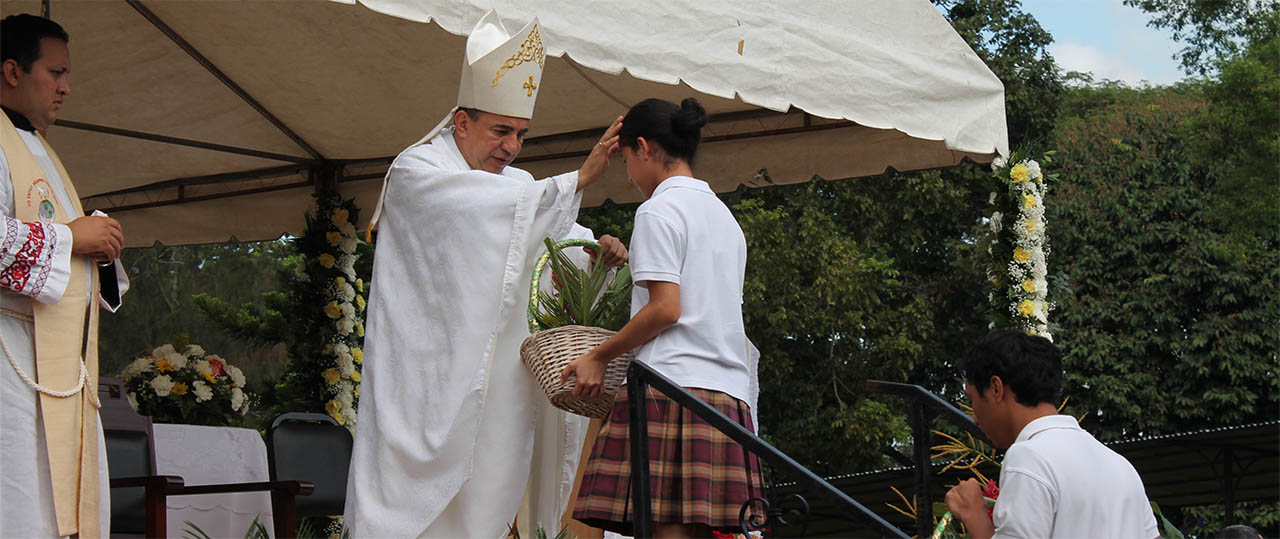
{"x":1026,"y":307}
{"x":335,"y":411}
{"x":333,"y":310}
{"x":326,"y":260}
{"x":339,"y":216}
{"x":1029,"y":286}
{"x":358,"y":355}
{"x":334,"y":238}
{"x":1020,"y":173}
{"x":1021,"y":255}
{"x":357,"y":390}
{"x":360,"y":329}
{"x":179,"y":388}
{"x":360,"y":302}
{"x":163,"y":365}
{"x":1031,"y":226}
{"x":360,"y":285}
{"x":355,"y":376}
{"x":208,"y":375}
{"x":1029,"y":200}
{"x":339,"y":280}
{"x":331,"y":376}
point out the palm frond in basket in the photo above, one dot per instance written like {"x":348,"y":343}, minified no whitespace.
{"x":582,"y":297}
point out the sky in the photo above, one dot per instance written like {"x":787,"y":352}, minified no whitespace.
{"x":1109,"y":39}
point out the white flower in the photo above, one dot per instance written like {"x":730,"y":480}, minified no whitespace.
{"x":162,"y":384}
{"x":347,"y":228}
{"x":348,"y":245}
{"x":133,"y":400}
{"x":177,"y":360}
{"x":194,"y":350}
{"x":349,"y":413}
{"x":345,"y":396}
{"x":237,"y":377}
{"x":341,"y":348}
{"x":992,"y":199}
{"x":237,"y":398}
{"x":348,"y":266}
{"x":202,"y":391}
{"x":347,"y":292}
{"x":348,"y":310}
{"x":201,"y":366}
{"x":138,"y":366}
{"x":345,"y":326}
{"x":997,"y":222}
{"x":163,"y":350}
{"x":999,"y":162}
{"x":1034,"y":167}
{"x":346,"y":364}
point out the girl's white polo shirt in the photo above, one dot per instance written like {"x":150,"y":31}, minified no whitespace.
{"x":685,"y":235}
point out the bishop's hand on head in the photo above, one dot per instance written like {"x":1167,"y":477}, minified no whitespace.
{"x":598,"y":161}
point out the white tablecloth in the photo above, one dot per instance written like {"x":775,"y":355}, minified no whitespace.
{"x":209,"y":455}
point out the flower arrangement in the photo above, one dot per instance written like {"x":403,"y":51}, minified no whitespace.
{"x":181,"y":383}
{"x":1019,"y":246}
{"x":344,"y":307}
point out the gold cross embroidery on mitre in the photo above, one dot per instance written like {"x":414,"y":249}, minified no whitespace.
{"x":530,"y":86}
{"x":530,"y":51}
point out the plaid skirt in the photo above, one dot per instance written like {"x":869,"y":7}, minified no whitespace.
{"x":697,"y":475}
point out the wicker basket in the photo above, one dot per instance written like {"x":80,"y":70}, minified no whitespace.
{"x":547,"y":352}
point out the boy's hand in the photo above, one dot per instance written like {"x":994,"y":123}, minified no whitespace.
{"x":611,"y":252}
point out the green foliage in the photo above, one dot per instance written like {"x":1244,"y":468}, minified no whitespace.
{"x":159,"y":303}
{"x":1210,"y":29}
{"x":256,"y":530}
{"x":1208,"y":520}
{"x":581,"y":297}
{"x":1168,"y":325}
{"x":1240,"y":134}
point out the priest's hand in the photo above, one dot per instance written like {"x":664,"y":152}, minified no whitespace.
{"x":589,"y":369}
{"x":611,"y":252}
{"x":100,"y":238}
{"x":593,"y":168}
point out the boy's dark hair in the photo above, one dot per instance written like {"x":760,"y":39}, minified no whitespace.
{"x":675,"y":129}
{"x":20,"y":37}
{"x":1030,"y":366}
{"x":1239,"y":531}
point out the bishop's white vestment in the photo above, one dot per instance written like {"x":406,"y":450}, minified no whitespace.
{"x":447,"y":411}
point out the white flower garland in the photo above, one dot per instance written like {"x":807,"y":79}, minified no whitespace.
{"x":1028,"y":286}
{"x":346,"y":304}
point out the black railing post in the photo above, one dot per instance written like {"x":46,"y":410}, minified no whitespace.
{"x":641,"y":513}
{"x":924,"y":469}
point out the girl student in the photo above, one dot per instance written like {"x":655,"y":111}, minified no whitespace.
{"x":688,"y":258}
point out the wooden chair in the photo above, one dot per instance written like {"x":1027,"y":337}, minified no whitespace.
{"x":316,"y":448}
{"x":138,"y":495}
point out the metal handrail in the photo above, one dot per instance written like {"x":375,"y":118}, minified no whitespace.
{"x":923,"y":401}
{"x":640,"y":377}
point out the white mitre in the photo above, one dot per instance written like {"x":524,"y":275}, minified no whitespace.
{"x":500,"y":74}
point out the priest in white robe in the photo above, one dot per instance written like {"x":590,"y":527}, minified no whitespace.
{"x":447,"y":413}
{"x":53,"y":465}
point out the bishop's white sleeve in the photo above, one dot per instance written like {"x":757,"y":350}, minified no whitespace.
{"x":35,"y":257}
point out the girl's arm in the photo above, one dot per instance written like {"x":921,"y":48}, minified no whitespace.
{"x":662,"y":311}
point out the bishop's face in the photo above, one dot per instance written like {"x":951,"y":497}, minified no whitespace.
{"x":490,"y":141}
{"x":38,"y":95}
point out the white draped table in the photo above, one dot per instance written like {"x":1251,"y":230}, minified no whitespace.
{"x":208,"y":455}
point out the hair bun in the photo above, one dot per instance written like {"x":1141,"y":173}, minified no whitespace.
{"x":691,"y":117}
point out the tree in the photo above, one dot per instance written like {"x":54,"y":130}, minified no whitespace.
{"x":158,"y":305}
{"x":1167,"y":325}
{"x":1210,"y":29}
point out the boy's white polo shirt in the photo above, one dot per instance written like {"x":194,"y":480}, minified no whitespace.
{"x":1056,"y":480}
{"x":685,"y":235}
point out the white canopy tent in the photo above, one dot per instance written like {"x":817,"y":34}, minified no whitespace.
{"x":196,"y":121}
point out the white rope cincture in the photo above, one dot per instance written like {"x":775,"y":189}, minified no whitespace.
{"x":80,"y":384}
